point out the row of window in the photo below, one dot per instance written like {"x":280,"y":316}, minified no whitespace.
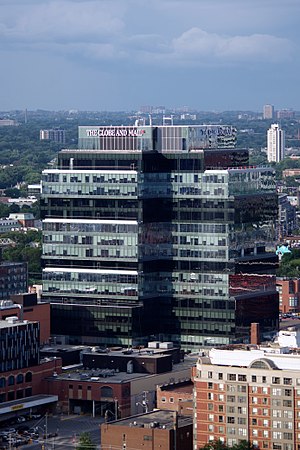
{"x":11,"y":380}
{"x":253,"y":378}
{"x":15,"y":395}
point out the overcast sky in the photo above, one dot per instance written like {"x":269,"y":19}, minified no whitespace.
{"x":120,"y":54}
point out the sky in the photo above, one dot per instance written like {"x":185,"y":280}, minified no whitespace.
{"x":209,"y":55}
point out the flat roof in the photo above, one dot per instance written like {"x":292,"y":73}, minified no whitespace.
{"x":110,"y":376}
{"x":154,"y":419}
{"x":27,"y":402}
{"x":8,"y":324}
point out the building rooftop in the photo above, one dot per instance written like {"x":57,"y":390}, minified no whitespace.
{"x":14,"y":322}
{"x":112,"y":376}
{"x":155,"y":419}
{"x":183,"y":387}
{"x":245,"y":357}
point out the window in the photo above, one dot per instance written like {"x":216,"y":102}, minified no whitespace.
{"x":147,"y":438}
{"x":265,"y":433}
{"x":264,"y":379}
{"x":242,"y":388}
{"x":254,"y":389}
{"x":221,"y":408}
{"x":254,"y":400}
{"x":275,"y":380}
{"x":11,"y":380}
{"x":242,"y":377}
{"x":20,"y":378}
{"x":210,"y":396}
{"x":209,"y":374}
{"x":210,"y":385}
{"x":221,"y":397}
{"x":287,"y":403}
{"x":287,"y":381}
{"x":253,"y":379}
{"x":221,"y":419}
{"x":2,"y":382}
{"x":287,"y":392}
{"x":28,"y":377}
{"x":242,"y":420}
{"x":231,"y":377}
{"x":265,"y":423}
{"x":254,"y":410}
{"x":230,"y":419}
{"x":264,"y":390}
{"x":171,"y":400}
{"x":106,"y":391}
{"x":211,"y":417}
{"x":220,"y":376}
{"x":163,"y":399}
{"x":231,"y":409}
{"x":255,"y":432}
{"x":254,"y":421}
{"x":210,"y":428}
{"x":276,"y":391}
{"x":265,"y":412}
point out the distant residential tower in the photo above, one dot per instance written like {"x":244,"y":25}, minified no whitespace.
{"x":275,"y":143}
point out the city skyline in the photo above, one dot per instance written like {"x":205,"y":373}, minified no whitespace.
{"x":116,"y":55}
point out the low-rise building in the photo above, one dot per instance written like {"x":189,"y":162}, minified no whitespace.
{"x":289,"y":294}
{"x":176,"y":397}
{"x":164,"y":430}
{"x":112,"y":391}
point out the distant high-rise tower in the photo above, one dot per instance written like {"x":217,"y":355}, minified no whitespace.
{"x":268,"y":112}
{"x":275,"y":143}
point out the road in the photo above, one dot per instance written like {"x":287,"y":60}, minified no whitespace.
{"x":68,"y":429}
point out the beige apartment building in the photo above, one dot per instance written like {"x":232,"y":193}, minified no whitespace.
{"x":248,"y":394}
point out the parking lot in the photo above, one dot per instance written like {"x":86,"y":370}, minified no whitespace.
{"x":51,"y":432}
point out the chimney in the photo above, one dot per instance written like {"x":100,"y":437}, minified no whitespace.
{"x":255,"y":334}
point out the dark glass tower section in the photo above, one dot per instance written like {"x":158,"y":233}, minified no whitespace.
{"x":153,"y":233}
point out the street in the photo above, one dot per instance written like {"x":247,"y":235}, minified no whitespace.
{"x":68,"y":430}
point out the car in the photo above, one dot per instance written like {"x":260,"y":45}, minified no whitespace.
{"x":36,"y":416}
{"x":22,"y":429}
{"x":20,"y":419}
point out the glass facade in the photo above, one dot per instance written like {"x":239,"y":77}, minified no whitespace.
{"x":142,"y":220}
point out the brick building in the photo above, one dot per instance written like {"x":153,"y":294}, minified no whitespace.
{"x":289,"y":294}
{"x":113,"y":392}
{"x":22,"y":374}
{"x":25,"y":306}
{"x":176,"y":397}
{"x":164,"y":430}
{"x":248,"y":394}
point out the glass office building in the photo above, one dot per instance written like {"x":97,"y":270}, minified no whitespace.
{"x":159,"y":232}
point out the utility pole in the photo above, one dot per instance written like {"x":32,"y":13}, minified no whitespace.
{"x":116,"y":409}
{"x":145,"y":401}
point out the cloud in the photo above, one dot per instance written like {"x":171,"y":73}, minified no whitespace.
{"x":197,"y":43}
{"x":121,"y":30}
{"x":60,"y":20}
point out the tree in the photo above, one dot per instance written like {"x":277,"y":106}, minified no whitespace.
{"x":85,"y":442}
